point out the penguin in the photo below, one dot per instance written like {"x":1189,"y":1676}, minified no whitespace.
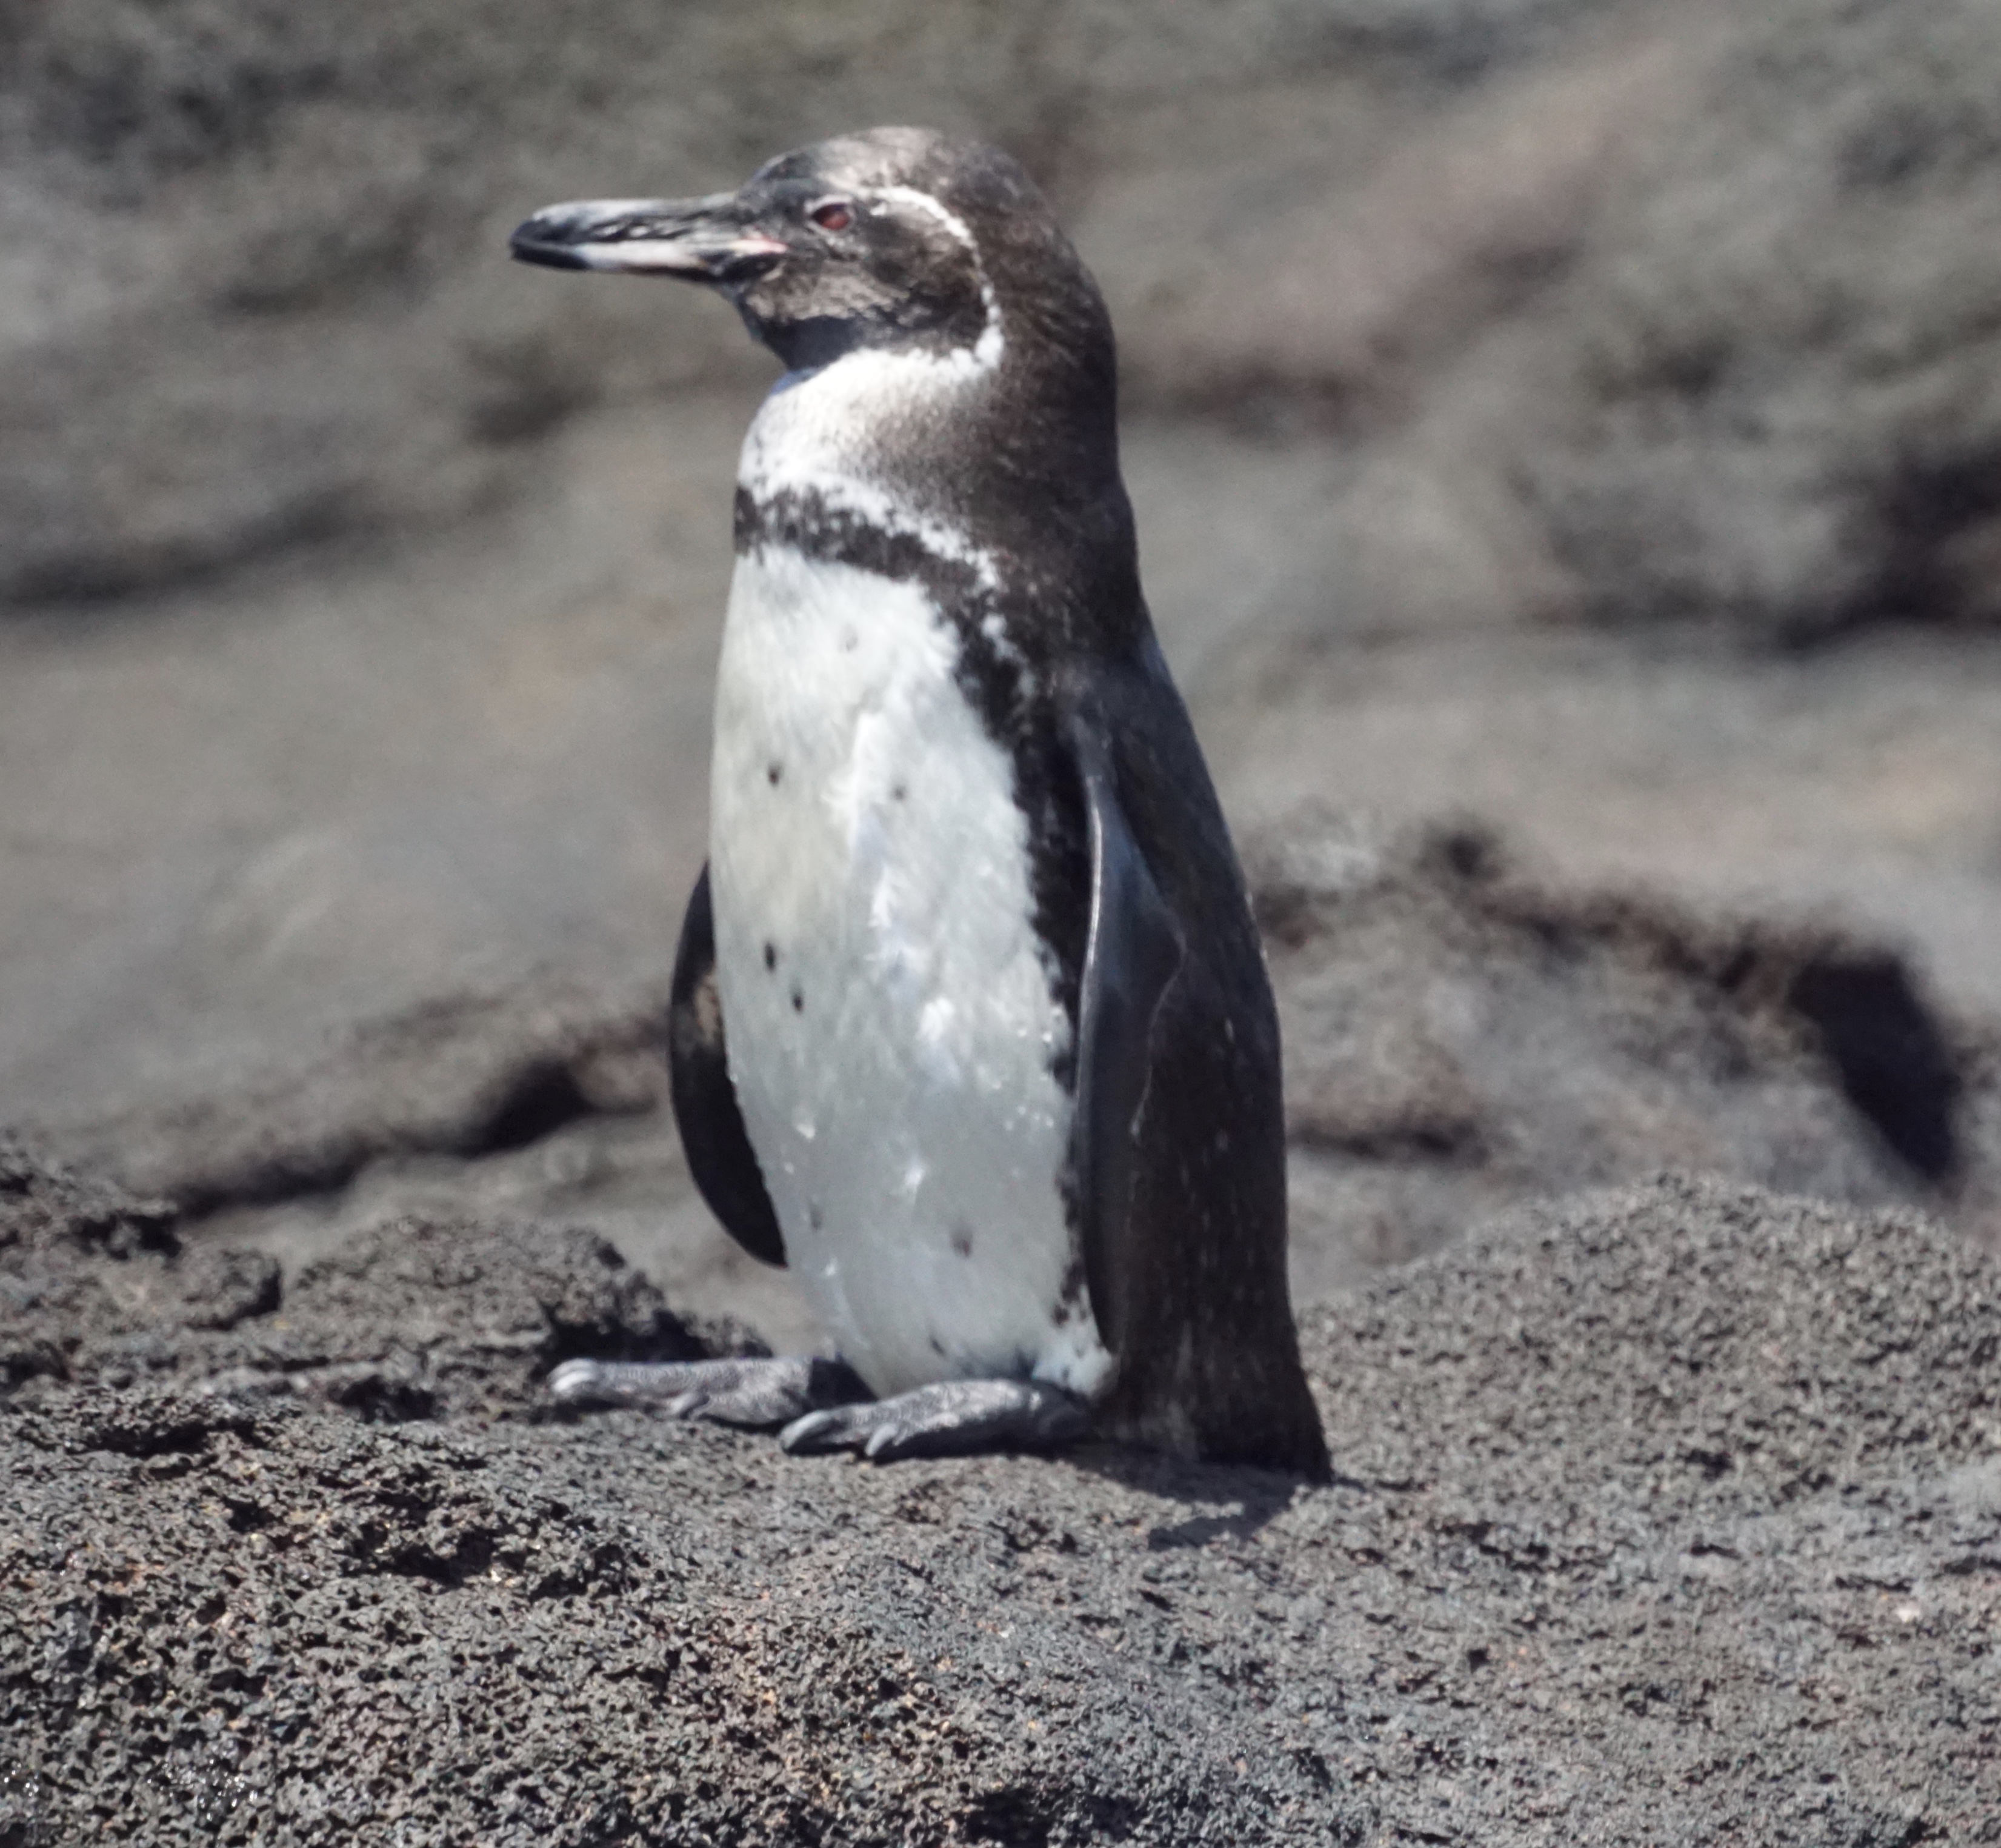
{"x":969,"y":1021}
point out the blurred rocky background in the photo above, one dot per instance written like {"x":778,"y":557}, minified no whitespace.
{"x":1568,"y":428}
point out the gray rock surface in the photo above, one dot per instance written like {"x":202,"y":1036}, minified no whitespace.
{"x":411,"y":1319}
{"x":1462,"y":1033}
{"x":1782,"y":352}
{"x":1668,"y":1516}
{"x":1709,"y":288}
{"x":253,"y":256}
{"x":419,"y":557}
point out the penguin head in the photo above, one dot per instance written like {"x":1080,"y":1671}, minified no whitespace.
{"x":891,"y":239}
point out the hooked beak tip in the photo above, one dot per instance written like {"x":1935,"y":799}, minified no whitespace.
{"x":526,"y":246}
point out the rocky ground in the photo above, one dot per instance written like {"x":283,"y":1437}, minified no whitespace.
{"x":1566,"y":455}
{"x":1667,"y":1515}
{"x":1672,"y":1516}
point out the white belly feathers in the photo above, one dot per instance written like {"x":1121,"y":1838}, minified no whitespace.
{"x":890,"y":1020}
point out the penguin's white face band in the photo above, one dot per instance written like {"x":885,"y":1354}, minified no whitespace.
{"x":923,"y":202}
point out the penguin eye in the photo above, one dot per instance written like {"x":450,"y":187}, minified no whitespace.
{"x":836,"y":214}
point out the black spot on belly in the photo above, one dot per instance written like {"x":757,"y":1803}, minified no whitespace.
{"x":962,"y":1239}
{"x":773,"y":772}
{"x":898,"y":792}
{"x":938,"y":1347}
{"x":798,"y":1002}
{"x":771,"y":956}
{"x":814,"y":1218}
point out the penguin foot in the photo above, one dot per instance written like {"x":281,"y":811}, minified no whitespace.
{"x":949,"y":1419}
{"x":757,"y":1394}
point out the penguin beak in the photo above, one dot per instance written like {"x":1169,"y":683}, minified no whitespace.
{"x":702,"y":240}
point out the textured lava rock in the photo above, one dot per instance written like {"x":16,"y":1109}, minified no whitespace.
{"x":1666,"y":1516}
{"x":410,"y":1318}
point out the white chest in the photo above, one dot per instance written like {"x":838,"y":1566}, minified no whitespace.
{"x":890,"y":1020}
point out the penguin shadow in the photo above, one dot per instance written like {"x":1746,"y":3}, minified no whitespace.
{"x":1225,"y":1502}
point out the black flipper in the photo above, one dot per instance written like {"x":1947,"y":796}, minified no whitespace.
{"x":719,"y":1154}
{"x":1178,"y":1147}
{"x":1133,"y":950}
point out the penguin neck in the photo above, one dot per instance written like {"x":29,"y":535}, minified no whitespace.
{"x":881,"y":419}
{"x":981,"y":448}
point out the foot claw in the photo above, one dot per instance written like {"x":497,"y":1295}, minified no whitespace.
{"x":577,"y":1380}
{"x":798,"y":1438}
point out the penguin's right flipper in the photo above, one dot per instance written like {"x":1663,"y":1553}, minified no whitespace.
{"x":1178,"y":1147}
{"x":1132,"y":953}
{"x":719,"y":1154}
{"x":758,"y":1394}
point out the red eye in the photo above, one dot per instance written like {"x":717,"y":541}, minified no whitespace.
{"x":837,"y":214}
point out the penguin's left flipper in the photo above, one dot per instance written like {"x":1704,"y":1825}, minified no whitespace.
{"x":948,"y":1419}
{"x":758,"y":1395}
{"x":719,"y":1155}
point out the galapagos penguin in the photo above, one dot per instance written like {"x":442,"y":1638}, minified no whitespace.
{"x":970,"y":1024}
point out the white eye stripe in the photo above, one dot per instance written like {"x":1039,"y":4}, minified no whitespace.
{"x":985,"y":353}
{"x":925,"y":203}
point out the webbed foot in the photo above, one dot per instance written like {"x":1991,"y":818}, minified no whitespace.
{"x":758,"y":1394}
{"x":949,"y":1419}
